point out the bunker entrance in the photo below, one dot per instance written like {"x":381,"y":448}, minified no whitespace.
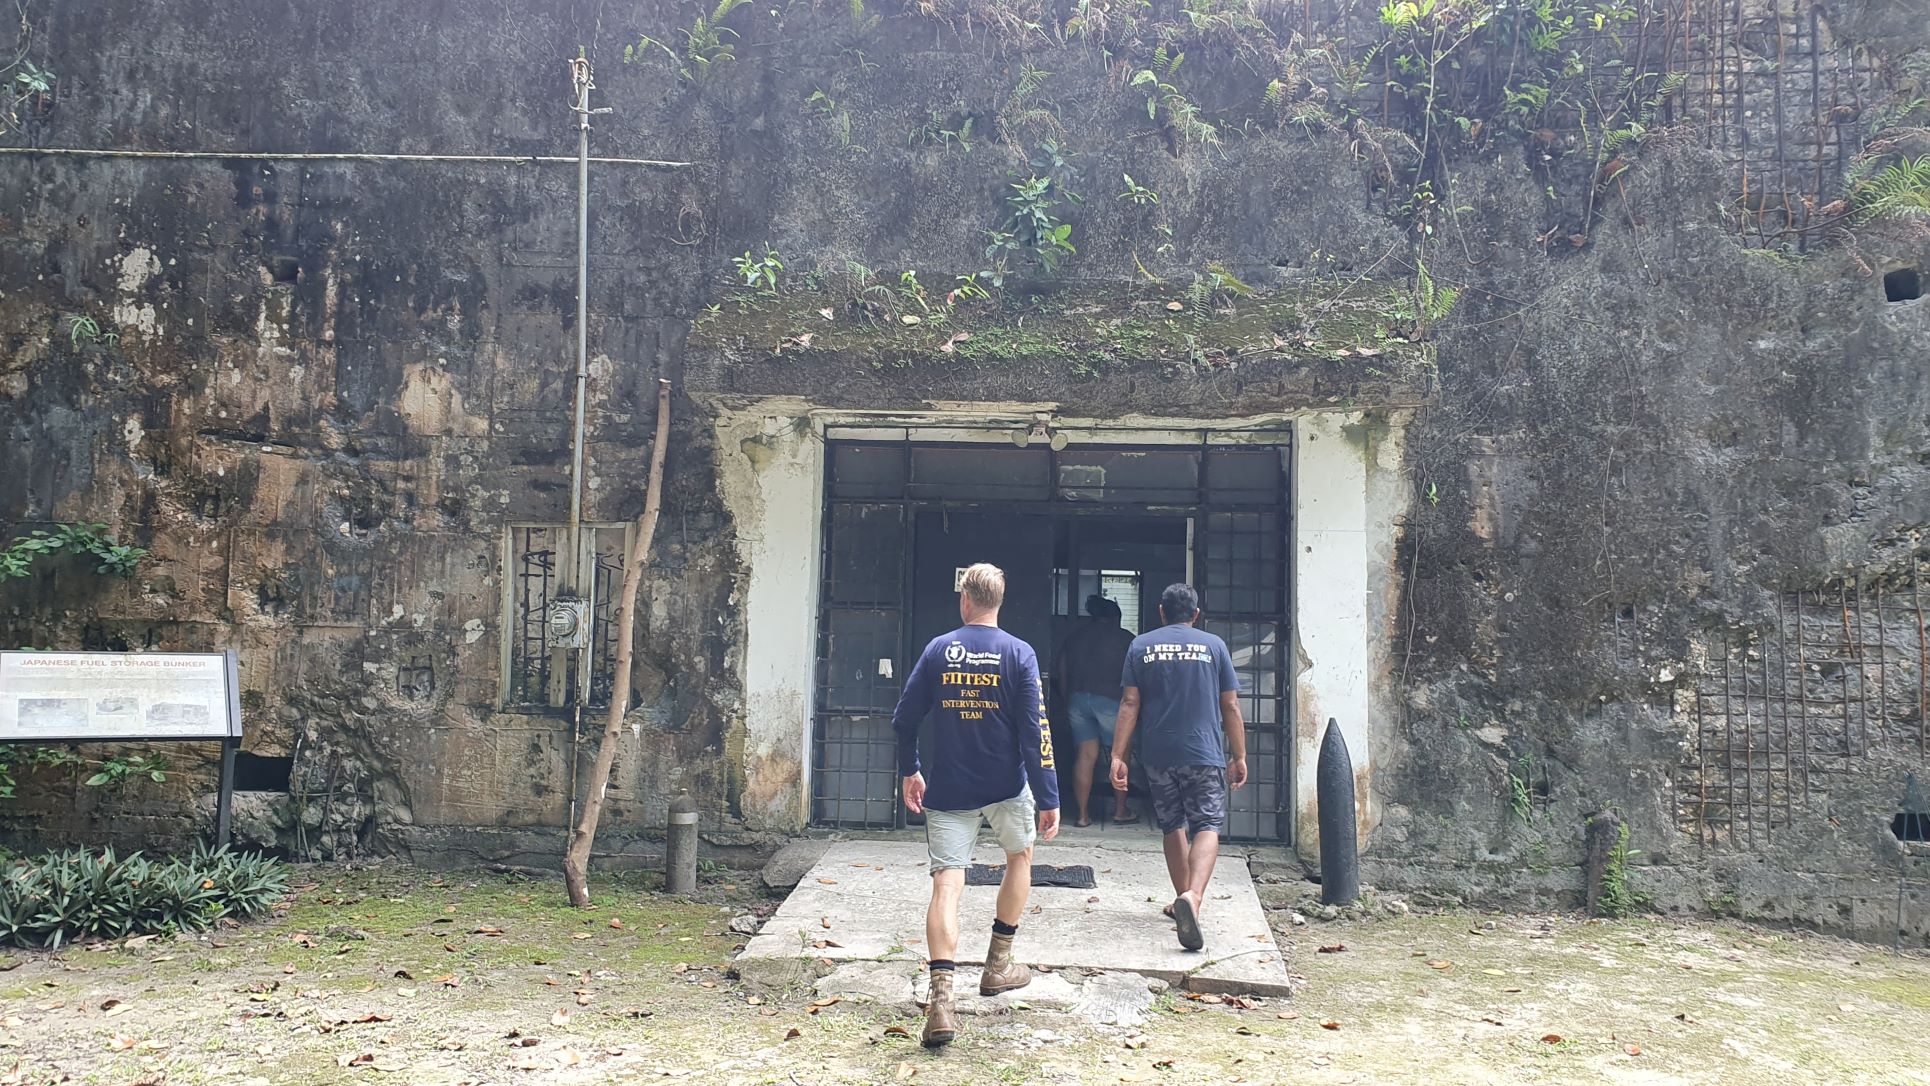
{"x":902,"y":519}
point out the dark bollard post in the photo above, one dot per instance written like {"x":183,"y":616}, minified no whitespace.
{"x":680,"y":847}
{"x":1339,"y":848}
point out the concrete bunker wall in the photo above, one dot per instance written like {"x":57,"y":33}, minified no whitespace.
{"x":337,"y":383}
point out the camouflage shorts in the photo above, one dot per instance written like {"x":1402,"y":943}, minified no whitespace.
{"x":1189,"y":796}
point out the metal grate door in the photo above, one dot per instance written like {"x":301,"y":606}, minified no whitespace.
{"x":1240,"y":569}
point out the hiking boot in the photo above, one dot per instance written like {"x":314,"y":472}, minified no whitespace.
{"x":1002,"y":974}
{"x":941,"y":1017}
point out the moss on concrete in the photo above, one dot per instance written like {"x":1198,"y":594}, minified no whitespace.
{"x":1084,"y":330}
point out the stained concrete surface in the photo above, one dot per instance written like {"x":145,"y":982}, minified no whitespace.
{"x":865,"y":901}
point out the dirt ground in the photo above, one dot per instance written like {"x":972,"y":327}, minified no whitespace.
{"x":386,"y":975}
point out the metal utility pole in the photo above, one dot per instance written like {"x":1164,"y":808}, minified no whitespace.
{"x":578,"y":574}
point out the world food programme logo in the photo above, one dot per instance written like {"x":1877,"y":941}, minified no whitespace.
{"x":955,"y":653}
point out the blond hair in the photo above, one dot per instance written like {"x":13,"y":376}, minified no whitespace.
{"x":984,"y":586}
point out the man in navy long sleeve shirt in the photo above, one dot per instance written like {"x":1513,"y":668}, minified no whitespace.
{"x":991,"y":761}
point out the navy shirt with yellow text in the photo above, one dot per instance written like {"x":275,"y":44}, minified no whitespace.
{"x":980,"y":687}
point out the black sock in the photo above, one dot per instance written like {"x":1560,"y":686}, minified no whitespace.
{"x":943,"y":965}
{"x":1000,"y":927}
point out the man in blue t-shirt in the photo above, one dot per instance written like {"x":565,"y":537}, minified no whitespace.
{"x":1180,"y":691}
{"x":991,"y":761}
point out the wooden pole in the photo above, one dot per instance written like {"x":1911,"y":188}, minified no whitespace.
{"x":576,"y":862}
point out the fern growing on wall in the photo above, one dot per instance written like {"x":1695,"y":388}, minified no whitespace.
{"x":1899,"y":191}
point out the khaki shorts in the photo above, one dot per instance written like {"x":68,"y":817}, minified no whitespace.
{"x":951,"y":835}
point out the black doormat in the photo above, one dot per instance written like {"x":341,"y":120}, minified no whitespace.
{"x":1075,"y":877}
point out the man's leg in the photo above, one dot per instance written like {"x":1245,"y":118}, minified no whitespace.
{"x":1082,"y":779}
{"x":941,"y":917}
{"x":1203,"y":792}
{"x":1179,"y":865}
{"x":1202,"y":854}
{"x":1014,"y":888}
{"x":949,"y":835}
{"x":1014,"y":823}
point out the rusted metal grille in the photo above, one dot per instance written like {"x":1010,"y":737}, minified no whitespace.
{"x":1786,"y":102}
{"x":539,"y":674}
{"x":1766,"y":83}
{"x":1776,"y":711}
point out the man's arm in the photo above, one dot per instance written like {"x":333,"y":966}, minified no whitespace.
{"x":1234,"y":725}
{"x":1035,"y":745}
{"x":1232,"y":722}
{"x":913,"y":705}
{"x":1122,"y":737}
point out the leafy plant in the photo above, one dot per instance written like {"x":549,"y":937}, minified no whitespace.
{"x":1898,"y":192}
{"x":61,"y":897}
{"x":1167,"y":106}
{"x":1138,"y":193}
{"x":760,"y":272}
{"x":1521,"y":801}
{"x":84,"y":329}
{"x":707,"y":44}
{"x":20,"y":83}
{"x":838,"y":117}
{"x":115,"y":772}
{"x":942,"y":131}
{"x":966,"y":288}
{"x":1033,"y":231}
{"x":18,"y":559}
{"x":1025,"y":109}
{"x":1618,"y":897}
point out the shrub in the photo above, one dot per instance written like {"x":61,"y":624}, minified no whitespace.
{"x":61,"y":897}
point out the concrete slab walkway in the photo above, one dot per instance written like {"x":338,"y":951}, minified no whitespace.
{"x":865,"y":901}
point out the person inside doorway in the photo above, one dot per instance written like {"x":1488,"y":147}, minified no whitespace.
{"x":991,"y":762}
{"x":1086,"y":673}
{"x":1181,"y":692}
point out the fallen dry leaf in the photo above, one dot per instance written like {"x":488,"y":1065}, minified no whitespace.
{"x":560,"y":1018}
{"x":1337,"y":948}
{"x":1287,"y":1016}
{"x":1328,"y":1023}
{"x":1175,"y":306}
{"x":487,"y":930}
{"x":1443,"y":966}
{"x":793,"y":1033}
{"x":121,"y":1043}
{"x":1633,"y":1050}
{"x":897,"y":1031}
{"x":1551,"y":1038}
{"x":905,"y":1071}
{"x":826,"y":313}
{"x":579,"y":935}
{"x":616,"y":923}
